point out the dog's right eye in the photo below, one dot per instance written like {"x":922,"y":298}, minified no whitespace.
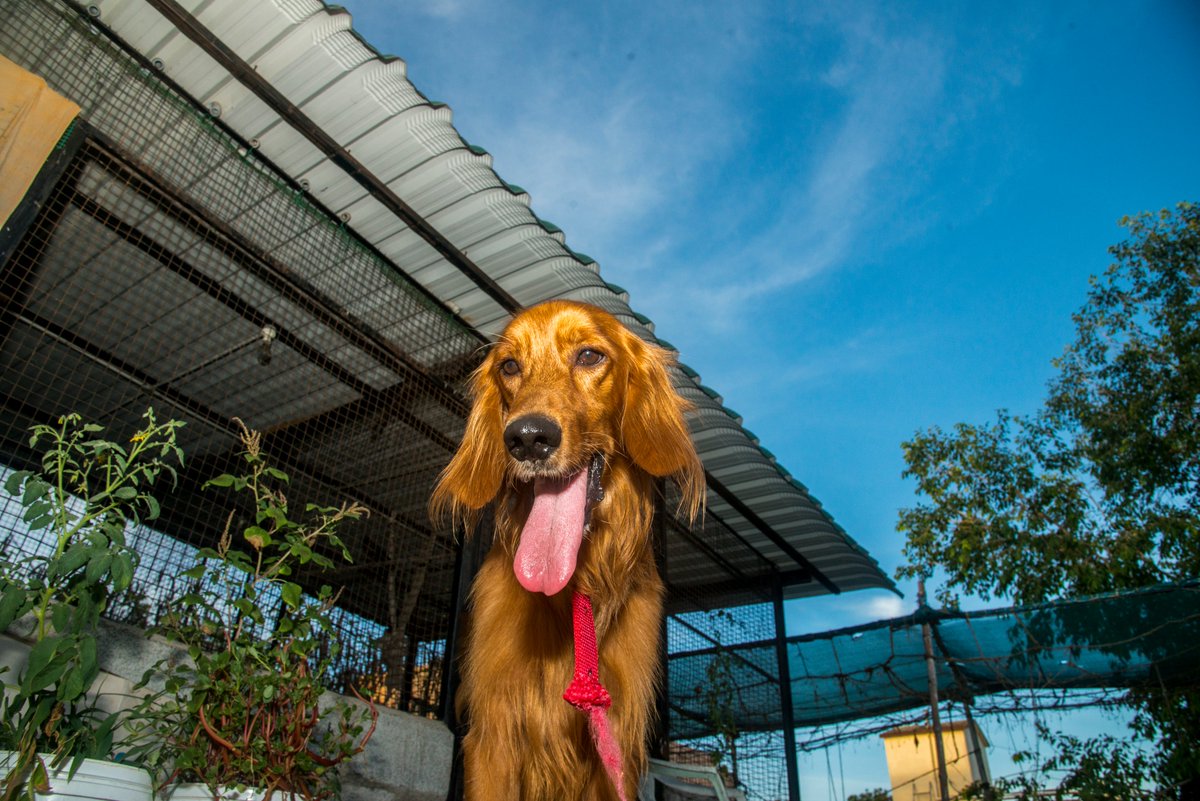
{"x":510,"y":367}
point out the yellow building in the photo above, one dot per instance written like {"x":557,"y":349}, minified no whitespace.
{"x":912,"y":760}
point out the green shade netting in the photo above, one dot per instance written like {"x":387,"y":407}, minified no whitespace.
{"x":1148,"y":637}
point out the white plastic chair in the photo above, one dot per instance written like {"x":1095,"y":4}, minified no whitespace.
{"x":669,"y":775}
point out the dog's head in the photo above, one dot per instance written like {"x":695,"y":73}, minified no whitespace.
{"x":567,"y":382}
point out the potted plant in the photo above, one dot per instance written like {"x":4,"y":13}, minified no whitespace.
{"x":242,"y":711}
{"x":88,"y":490}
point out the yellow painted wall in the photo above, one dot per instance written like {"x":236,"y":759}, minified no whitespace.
{"x":912,"y":761}
{"x":32,"y":118}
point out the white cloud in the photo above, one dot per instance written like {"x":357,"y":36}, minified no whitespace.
{"x":889,"y":87}
{"x":881,"y":606}
{"x":864,"y":351}
{"x":640,"y":132}
{"x":607,"y":142}
{"x":619,"y":129}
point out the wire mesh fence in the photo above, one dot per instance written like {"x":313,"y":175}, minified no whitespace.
{"x":712,"y":693}
{"x":172,"y":266}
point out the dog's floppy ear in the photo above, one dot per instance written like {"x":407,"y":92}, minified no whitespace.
{"x":473,"y":477}
{"x":653,"y":431}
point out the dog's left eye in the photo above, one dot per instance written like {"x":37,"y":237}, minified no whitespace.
{"x":588,"y":357}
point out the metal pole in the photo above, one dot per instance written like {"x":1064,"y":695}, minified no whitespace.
{"x":785,"y":691}
{"x":469,"y":557}
{"x":931,"y":668}
{"x":660,"y":745}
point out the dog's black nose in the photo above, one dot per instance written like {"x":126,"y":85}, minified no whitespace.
{"x":532,"y":437}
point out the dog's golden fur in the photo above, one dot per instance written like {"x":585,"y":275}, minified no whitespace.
{"x":525,"y":743}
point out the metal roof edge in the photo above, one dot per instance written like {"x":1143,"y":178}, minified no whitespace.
{"x":363,"y":172}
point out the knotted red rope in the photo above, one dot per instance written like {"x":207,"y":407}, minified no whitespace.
{"x":588,"y":695}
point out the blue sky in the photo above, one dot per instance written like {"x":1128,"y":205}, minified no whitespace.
{"x":854,"y":220}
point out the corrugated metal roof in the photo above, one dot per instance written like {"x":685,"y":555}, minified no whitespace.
{"x":349,"y":128}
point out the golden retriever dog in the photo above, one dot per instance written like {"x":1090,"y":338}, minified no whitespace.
{"x":573,"y":419}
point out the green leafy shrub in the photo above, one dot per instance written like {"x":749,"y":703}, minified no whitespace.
{"x":88,"y":491}
{"x":243,"y":710}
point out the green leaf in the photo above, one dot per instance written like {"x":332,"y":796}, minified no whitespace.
{"x":37,"y":509}
{"x":196,"y":572}
{"x":76,"y":764}
{"x":244,"y":606}
{"x":257,"y":537}
{"x":35,"y":488}
{"x":121,"y":571}
{"x":13,"y":603}
{"x":104,"y":735}
{"x":38,"y":778}
{"x":277,"y":516}
{"x":60,"y":617}
{"x":290,"y":592}
{"x":240,"y":561}
{"x":97,"y":567}
{"x":71,"y":686}
{"x":72,"y":560}
{"x":12,"y":484}
{"x":224,"y":480}
{"x":152,"y":508}
{"x":39,"y":522}
{"x":46,"y":664}
{"x":126,"y":493}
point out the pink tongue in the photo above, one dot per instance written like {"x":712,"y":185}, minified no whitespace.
{"x":553,"y":531}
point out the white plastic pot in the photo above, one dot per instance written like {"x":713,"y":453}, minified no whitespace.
{"x":201,"y":792}
{"x":96,"y":780}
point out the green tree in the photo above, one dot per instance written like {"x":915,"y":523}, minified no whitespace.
{"x":1100,"y":489}
{"x":877,"y":794}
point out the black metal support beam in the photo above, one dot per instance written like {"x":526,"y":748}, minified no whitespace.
{"x":34,"y":201}
{"x":150,"y":67}
{"x":737,"y":535}
{"x":138,"y":239}
{"x":732,"y":650}
{"x":245,"y":256}
{"x":43,"y":206}
{"x":299,"y":293}
{"x":213,"y":288}
{"x":785,"y":692}
{"x":471,"y":553}
{"x":759,"y":585}
{"x":326,"y":144}
{"x":703,"y":547}
{"x":131,"y":373}
{"x":368,"y":399}
{"x":661,"y":737}
{"x":774,"y":536}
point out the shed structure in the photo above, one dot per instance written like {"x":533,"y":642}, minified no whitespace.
{"x":255,"y":215}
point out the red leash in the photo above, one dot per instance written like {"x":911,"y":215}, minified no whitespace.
{"x":588,"y":695}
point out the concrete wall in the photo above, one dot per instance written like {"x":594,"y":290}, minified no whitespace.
{"x":407,"y":759}
{"x":912,"y":760}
